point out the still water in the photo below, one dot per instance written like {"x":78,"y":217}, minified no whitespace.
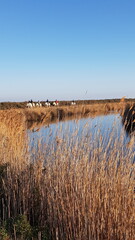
{"x":97,"y":129}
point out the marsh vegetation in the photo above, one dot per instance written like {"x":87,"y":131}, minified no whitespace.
{"x":69,"y":188}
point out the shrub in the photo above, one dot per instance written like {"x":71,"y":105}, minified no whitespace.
{"x":3,"y":234}
{"x":19,"y":227}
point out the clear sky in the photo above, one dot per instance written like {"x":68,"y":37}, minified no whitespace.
{"x":67,"y":49}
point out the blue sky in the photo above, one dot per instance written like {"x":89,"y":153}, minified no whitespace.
{"x":67,"y":49}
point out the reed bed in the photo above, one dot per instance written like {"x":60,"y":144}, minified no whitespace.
{"x":12,"y":137}
{"x":49,"y":114}
{"x":15,"y":117}
{"x":68,"y":190}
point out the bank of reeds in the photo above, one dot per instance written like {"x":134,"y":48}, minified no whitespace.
{"x":129,"y":118}
{"x":68,"y":190}
{"x":49,"y":114}
{"x":12,"y":137}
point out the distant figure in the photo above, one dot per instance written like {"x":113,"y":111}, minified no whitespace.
{"x":57,"y":102}
{"x":73,"y":103}
{"x":29,"y":105}
{"x":38,"y":104}
{"x":47,"y":103}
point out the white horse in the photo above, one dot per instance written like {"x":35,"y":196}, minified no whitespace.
{"x":29,"y":105}
{"x":33,"y":104}
{"x":47,"y":104}
{"x":38,"y":104}
{"x":73,"y":103}
{"x":55,"y":103}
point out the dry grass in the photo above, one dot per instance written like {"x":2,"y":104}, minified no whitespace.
{"x":76,"y":189}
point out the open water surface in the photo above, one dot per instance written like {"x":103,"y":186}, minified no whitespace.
{"x":99,"y":128}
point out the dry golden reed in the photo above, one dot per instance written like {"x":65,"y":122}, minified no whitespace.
{"x":78,"y":190}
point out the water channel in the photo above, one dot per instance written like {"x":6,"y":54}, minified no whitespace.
{"x":98,"y":129}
